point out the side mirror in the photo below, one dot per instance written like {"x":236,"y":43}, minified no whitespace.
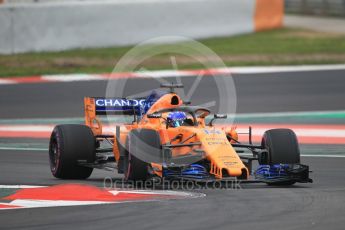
{"x":187,"y":102}
{"x":218,"y":116}
{"x":167,"y":154}
{"x":154,"y":115}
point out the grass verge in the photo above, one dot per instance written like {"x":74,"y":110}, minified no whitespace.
{"x":278,"y":47}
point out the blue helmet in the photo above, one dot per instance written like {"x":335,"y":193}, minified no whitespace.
{"x":176,"y":119}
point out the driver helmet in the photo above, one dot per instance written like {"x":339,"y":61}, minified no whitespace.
{"x":176,"y":119}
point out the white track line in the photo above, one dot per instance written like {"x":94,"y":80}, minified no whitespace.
{"x":309,"y":155}
{"x":154,"y":192}
{"x":30,"y":128}
{"x":54,"y":203}
{"x":72,"y":77}
{"x":303,"y":132}
{"x":37,"y":203}
{"x":112,"y":191}
{"x":290,"y":114}
{"x":6,"y":82}
{"x":163,"y":73}
{"x":302,"y":155}
{"x":323,"y":155}
{"x":21,"y":186}
{"x":239,"y":115}
{"x":252,"y":71}
{"x":283,"y":69}
{"x":23,"y":149}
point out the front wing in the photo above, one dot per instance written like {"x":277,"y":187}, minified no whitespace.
{"x":271,"y":174}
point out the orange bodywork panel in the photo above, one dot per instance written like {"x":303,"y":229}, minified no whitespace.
{"x":90,"y":116}
{"x":220,"y":153}
{"x":223,"y":159}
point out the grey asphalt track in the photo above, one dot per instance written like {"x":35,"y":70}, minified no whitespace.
{"x":320,"y":205}
{"x":270,"y":92}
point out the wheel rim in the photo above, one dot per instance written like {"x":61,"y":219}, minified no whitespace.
{"x":53,"y":155}
{"x":127,"y":166}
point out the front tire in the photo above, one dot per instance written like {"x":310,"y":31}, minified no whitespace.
{"x":68,"y":145}
{"x":282,"y":148}
{"x":143,"y":147}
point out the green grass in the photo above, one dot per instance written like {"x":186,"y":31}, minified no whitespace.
{"x":284,"y":41}
{"x":277,"y":47}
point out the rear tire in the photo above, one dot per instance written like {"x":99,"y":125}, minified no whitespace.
{"x":68,"y":145}
{"x":144,"y":147}
{"x":282,"y":148}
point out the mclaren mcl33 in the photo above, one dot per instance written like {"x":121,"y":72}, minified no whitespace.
{"x":170,"y":139}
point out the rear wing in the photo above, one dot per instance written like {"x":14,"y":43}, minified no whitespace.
{"x":94,"y":106}
{"x":117,"y":106}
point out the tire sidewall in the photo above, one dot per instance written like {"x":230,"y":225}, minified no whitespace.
{"x":72,"y":143}
{"x":282,"y":146}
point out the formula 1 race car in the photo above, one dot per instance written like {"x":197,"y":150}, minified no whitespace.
{"x":170,"y":139}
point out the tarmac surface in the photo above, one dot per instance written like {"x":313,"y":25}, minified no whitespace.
{"x":265,"y":92}
{"x":319,"y":205}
